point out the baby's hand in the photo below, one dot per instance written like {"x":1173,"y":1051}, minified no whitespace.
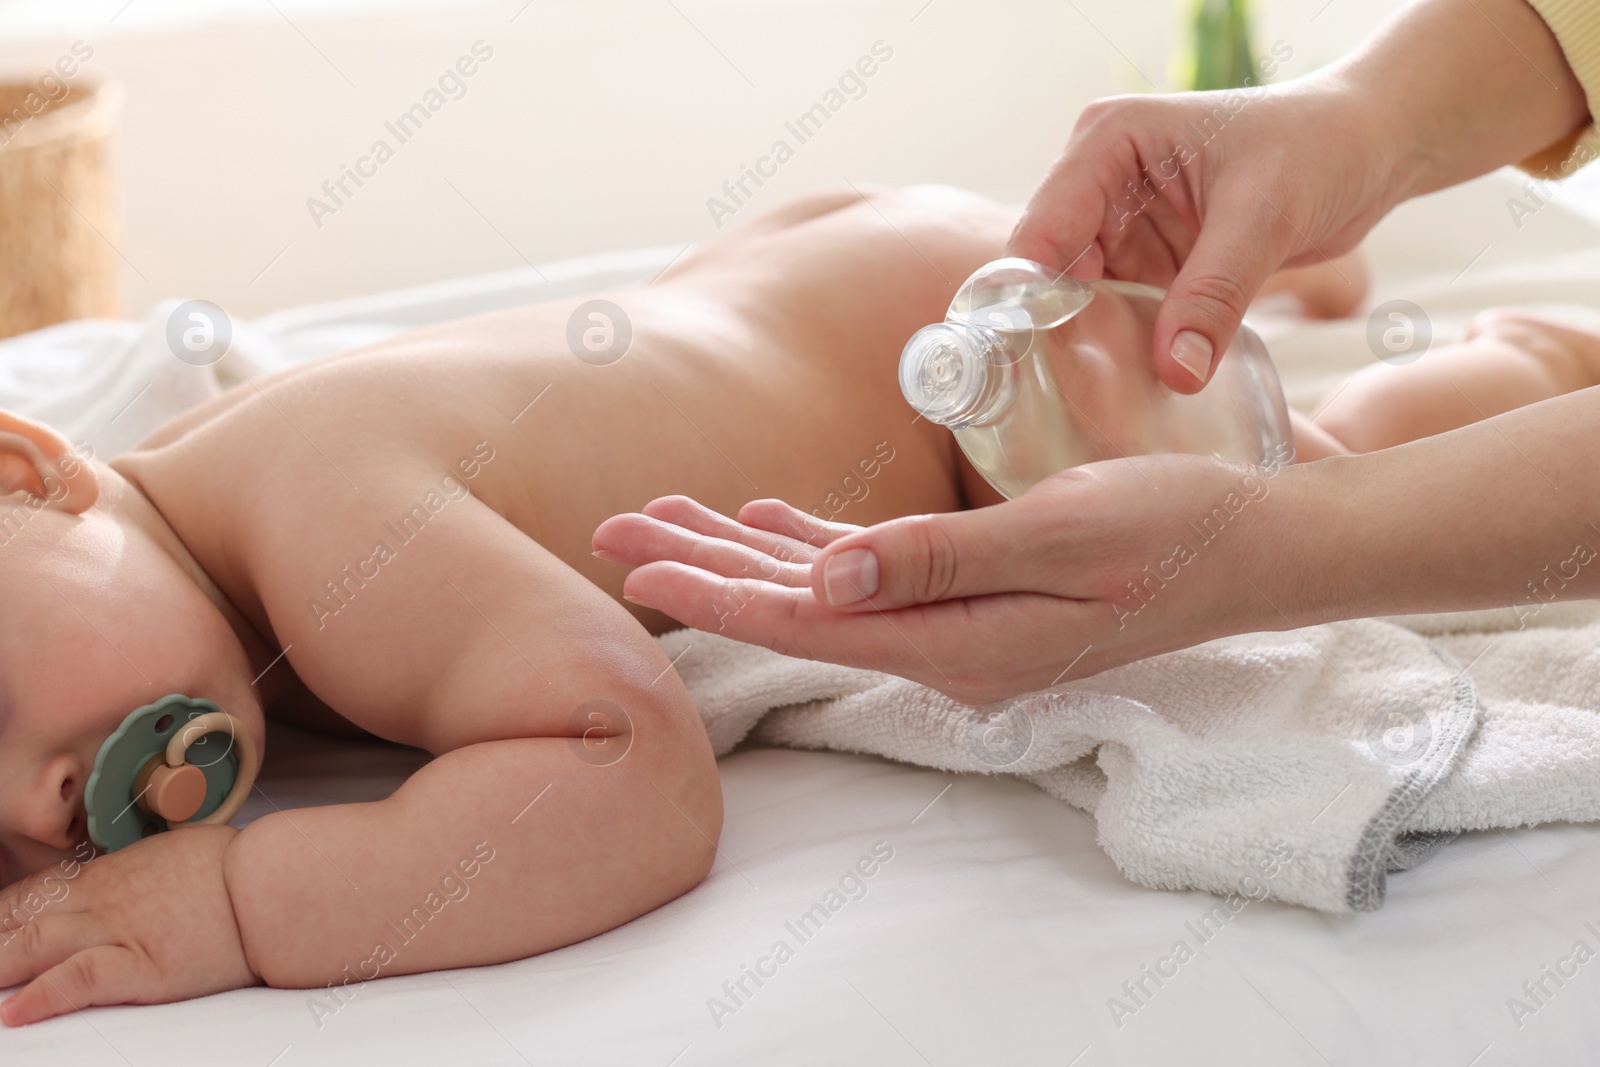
{"x":148,"y":924}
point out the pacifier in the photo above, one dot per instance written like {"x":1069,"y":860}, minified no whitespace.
{"x":177,"y":762}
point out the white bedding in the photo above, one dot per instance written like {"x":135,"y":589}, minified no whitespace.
{"x":998,"y":933}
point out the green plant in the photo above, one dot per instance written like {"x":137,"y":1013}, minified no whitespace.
{"x":1220,"y":55}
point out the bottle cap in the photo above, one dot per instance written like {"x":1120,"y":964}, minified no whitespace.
{"x":947,"y":372}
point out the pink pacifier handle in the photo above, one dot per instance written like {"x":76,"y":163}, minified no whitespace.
{"x":249,"y":761}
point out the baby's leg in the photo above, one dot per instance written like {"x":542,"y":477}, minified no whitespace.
{"x":1510,"y":358}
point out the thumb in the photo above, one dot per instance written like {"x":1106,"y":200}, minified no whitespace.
{"x":1060,"y":225}
{"x":1207,"y":300}
{"x":923,"y":559}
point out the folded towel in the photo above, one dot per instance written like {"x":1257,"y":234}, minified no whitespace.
{"x":1303,"y":765}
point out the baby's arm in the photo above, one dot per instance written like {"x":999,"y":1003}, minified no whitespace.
{"x":521,"y":836}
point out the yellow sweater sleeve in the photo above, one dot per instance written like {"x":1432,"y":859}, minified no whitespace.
{"x":1576,"y":25}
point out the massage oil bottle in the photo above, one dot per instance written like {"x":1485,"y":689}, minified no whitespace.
{"x":1036,"y":373}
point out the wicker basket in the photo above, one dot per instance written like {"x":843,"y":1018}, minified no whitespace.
{"x":58,"y":260}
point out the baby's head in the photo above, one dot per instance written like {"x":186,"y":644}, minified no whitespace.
{"x":102,"y":610}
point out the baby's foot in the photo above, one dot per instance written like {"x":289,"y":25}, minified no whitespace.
{"x":1570,"y":353}
{"x":1329,"y":290}
{"x":1509,"y":358}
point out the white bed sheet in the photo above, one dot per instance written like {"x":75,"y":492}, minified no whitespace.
{"x":998,"y":933}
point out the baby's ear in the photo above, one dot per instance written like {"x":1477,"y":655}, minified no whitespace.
{"x":35,"y":459}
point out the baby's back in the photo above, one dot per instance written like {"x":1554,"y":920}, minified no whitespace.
{"x":761,"y":365}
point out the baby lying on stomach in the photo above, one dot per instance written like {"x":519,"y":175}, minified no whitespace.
{"x":397,"y":541}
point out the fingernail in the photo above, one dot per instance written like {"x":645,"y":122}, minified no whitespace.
{"x":634,"y":600}
{"x":1192,"y":352}
{"x":850,"y":577}
{"x":609,"y":557}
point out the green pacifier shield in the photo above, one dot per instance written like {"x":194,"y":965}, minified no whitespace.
{"x":115,"y":819}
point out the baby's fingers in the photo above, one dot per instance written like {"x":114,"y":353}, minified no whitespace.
{"x":40,"y":944}
{"x":105,"y":974}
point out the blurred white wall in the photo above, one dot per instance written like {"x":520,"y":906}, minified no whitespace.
{"x":593,"y":125}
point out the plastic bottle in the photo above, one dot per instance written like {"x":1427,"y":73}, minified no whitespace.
{"x":1037,"y":373}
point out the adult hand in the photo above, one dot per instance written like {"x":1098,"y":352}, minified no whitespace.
{"x":1093,"y":567}
{"x":1103,"y":564}
{"x":1208,"y":193}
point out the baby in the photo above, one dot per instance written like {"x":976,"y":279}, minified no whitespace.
{"x":398,"y":541}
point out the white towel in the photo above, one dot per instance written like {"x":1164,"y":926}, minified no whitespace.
{"x":1303,"y":766}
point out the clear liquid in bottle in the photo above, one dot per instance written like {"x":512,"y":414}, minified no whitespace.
{"x":1036,"y":373}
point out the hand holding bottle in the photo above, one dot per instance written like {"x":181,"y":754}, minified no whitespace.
{"x":1035,"y":372}
{"x":988,"y":603}
{"x":1207,"y":194}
